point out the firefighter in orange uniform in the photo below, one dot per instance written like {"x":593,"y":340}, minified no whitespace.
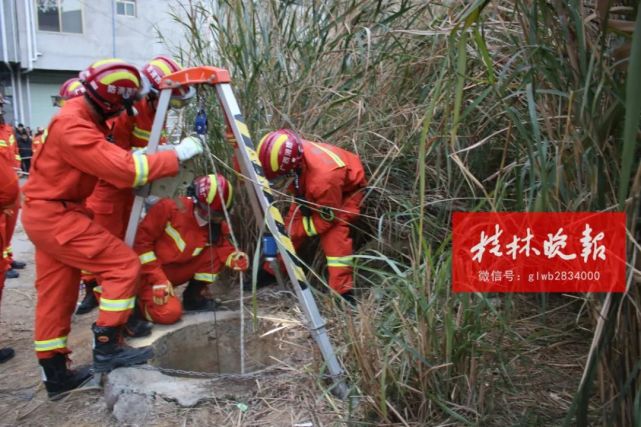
{"x":9,"y":150}
{"x":75,"y":155}
{"x":111,"y":205}
{"x":8,"y":204}
{"x":185,"y":240}
{"x":326,"y":188}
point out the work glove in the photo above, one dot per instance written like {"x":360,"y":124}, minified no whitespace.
{"x":188,"y":148}
{"x":238,"y":261}
{"x":162,"y":292}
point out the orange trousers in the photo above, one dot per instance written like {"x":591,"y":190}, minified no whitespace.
{"x":9,"y":227}
{"x":111,"y":207}
{"x":337,"y":245}
{"x":2,"y":261}
{"x":204,"y":267}
{"x":68,"y":241}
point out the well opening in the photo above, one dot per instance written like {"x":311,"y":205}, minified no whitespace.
{"x":214,"y":347}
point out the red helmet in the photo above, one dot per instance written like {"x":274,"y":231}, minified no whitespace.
{"x":280,"y":152}
{"x":209,"y":190}
{"x":112,"y":84}
{"x":69,"y":89}
{"x":158,"y":68}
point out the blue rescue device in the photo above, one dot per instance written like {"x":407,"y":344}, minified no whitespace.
{"x":269,"y":246}
{"x":200,"y":124}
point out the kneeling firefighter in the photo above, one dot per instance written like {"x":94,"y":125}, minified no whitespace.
{"x":185,"y":240}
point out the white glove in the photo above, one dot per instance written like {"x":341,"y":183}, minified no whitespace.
{"x":188,"y":148}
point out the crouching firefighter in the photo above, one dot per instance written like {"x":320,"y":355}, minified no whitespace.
{"x":111,"y":205}
{"x":185,"y":240}
{"x":76,"y":154}
{"x":327,"y":183}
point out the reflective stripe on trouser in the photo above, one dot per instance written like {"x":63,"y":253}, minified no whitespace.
{"x":72,"y":242}
{"x":205,"y":266}
{"x":337,"y":246}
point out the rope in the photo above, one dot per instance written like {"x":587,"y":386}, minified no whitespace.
{"x":234,"y":242}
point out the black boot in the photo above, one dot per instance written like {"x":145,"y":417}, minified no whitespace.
{"x":136,"y":325}
{"x":11,"y":274}
{"x":263,"y":278}
{"x":18,"y":265}
{"x":6,"y":353}
{"x":89,"y":302}
{"x":348,"y":297}
{"x":110,"y":353}
{"x":193,"y":299}
{"x":58,"y":379}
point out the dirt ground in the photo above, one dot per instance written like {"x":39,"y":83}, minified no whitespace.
{"x":295,"y":398}
{"x":534,"y":386}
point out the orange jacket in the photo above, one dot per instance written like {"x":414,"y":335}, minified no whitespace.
{"x":76,"y":154}
{"x":133,"y":132}
{"x":328,"y":177}
{"x":170,"y":234}
{"x":37,"y":142}
{"x":8,"y":185}
{"x":8,"y":146}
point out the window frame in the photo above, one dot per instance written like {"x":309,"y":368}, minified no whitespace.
{"x":82,"y":19}
{"x":125,"y":3}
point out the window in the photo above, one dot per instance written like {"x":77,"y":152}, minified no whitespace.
{"x":126,"y":7}
{"x":62,"y":16}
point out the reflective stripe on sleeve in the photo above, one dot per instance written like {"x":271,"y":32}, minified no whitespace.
{"x":175,"y":236}
{"x":147,"y":257}
{"x":141,"y":165}
{"x":141,"y":133}
{"x":308,"y":225}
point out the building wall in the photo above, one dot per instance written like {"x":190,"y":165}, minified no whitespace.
{"x":35,"y":61}
{"x":41,"y":86}
{"x":107,"y":35}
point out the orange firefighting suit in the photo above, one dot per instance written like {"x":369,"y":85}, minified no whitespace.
{"x":330,"y":181}
{"x":9,"y":151}
{"x":64,"y":173}
{"x":174,"y":248}
{"x":37,"y":142}
{"x":8,"y":197}
{"x":111,"y":205}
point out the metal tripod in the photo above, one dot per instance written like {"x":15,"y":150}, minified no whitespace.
{"x":260,"y":195}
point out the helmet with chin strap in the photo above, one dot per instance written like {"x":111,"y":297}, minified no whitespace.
{"x":112,"y":85}
{"x":280,"y":152}
{"x":158,"y":68}
{"x":210,"y":191}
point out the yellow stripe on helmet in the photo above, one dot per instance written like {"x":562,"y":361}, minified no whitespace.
{"x":273,"y":155}
{"x":74,"y":85}
{"x":106,"y":61}
{"x":230,"y":193}
{"x":213,"y":188}
{"x":162,"y":65}
{"x":120,"y":75}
